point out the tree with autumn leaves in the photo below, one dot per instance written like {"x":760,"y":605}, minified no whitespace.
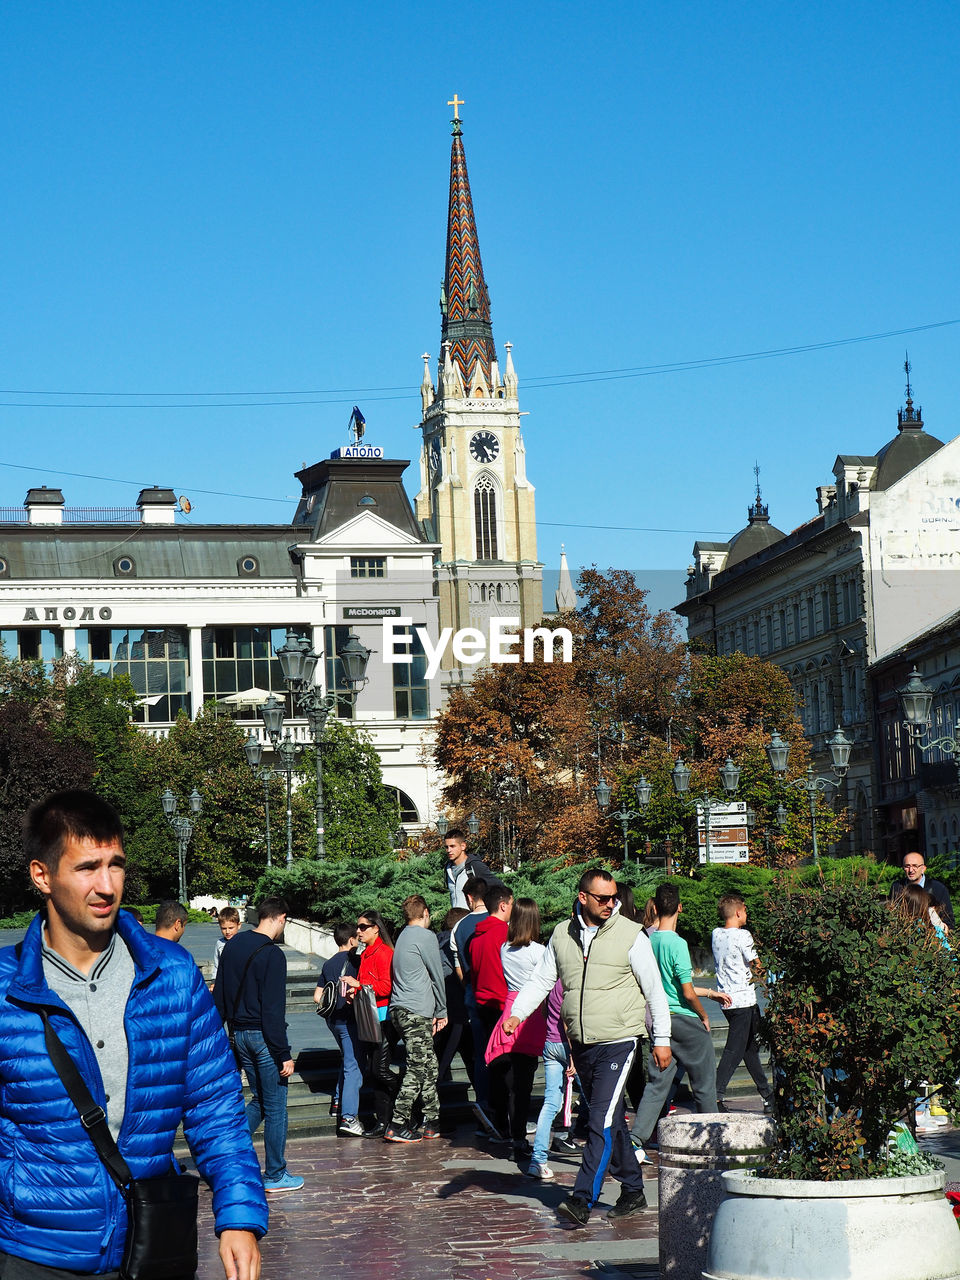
{"x":523,"y":747}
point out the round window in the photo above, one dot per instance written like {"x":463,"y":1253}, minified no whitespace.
{"x":3,"y":565}
{"x":248,"y":564}
{"x":125,"y":565}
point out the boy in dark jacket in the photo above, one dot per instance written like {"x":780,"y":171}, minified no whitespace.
{"x":343,"y":1027}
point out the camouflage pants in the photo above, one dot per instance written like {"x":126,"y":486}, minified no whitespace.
{"x":420,"y":1077}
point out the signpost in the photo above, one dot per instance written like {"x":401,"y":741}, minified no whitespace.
{"x":727,"y":827}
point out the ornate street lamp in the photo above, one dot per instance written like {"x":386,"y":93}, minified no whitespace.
{"x":443,"y":825}
{"x":299,"y":662}
{"x":183,"y":829}
{"x":624,"y":815}
{"x":778,"y":753}
{"x":681,"y":778}
{"x":253,"y":750}
{"x":602,"y":792}
{"x":729,"y":778}
{"x":473,"y":826}
{"x":916,"y":703}
{"x":286,"y":755}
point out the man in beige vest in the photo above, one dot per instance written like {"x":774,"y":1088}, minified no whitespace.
{"x":607,"y":969}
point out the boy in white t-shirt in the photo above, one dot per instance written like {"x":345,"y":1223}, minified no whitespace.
{"x":734,"y":956}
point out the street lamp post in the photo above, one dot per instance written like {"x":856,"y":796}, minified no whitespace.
{"x":778,"y":753}
{"x":183,"y":828}
{"x":624,"y":816}
{"x":287,"y":753}
{"x":253,"y":750}
{"x":916,"y":704}
{"x":298,"y":663}
{"x":730,"y":778}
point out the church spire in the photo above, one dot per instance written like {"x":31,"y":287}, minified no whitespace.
{"x":465,"y":302}
{"x":566,"y":597}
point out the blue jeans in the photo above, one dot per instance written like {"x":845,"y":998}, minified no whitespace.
{"x":555,"y":1059}
{"x":348,"y":1085}
{"x":269,"y":1102}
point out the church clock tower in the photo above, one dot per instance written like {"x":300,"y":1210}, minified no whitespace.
{"x":475,"y":499}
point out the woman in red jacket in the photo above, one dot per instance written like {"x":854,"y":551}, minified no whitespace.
{"x":374,"y":971}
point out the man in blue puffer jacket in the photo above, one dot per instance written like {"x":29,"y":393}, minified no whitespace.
{"x":135,"y":1015}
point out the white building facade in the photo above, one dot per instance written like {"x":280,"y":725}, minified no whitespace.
{"x":194,"y":613}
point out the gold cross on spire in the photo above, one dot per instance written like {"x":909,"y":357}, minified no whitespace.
{"x":457,"y":103}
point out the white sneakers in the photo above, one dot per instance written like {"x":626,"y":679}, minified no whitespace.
{"x":540,"y":1172}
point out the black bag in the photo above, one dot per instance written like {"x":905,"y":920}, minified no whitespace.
{"x":368,"y":1019}
{"x":161,"y":1239}
{"x":328,"y":999}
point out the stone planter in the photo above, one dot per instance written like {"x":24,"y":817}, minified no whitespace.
{"x":694,"y":1152}
{"x":865,"y":1229}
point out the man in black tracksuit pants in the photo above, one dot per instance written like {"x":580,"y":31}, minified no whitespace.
{"x":607,"y":970}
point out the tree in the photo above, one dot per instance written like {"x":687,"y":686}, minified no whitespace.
{"x":510,"y":748}
{"x":32,"y":764}
{"x":523,"y":747}
{"x":226,"y":852}
{"x":359,"y":812}
{"x":519,"y":747}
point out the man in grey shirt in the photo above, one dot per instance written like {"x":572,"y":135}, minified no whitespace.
{"x":418,"y":1010}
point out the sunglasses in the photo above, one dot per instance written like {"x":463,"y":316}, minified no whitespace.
{"x":362,"y":928}
{"x":602,"y":898}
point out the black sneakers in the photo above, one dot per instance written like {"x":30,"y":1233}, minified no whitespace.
{"x":401,"y":1133}
{"x":565,"y":1146}
{"x":574,"y":1210}
{"x":629,"y":1202}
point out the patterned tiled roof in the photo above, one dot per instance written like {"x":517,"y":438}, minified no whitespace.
{"x":466,"y":302}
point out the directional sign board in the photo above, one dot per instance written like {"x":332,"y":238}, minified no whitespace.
{"x":728,"y":832}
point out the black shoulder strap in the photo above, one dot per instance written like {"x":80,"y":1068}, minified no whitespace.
{"x":92,"y":1115}
{"x":243,"y":978}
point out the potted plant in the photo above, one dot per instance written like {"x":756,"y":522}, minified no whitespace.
{"x":863,"y":1008}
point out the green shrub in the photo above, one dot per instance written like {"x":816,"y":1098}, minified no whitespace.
{"x":862,"y":1007}
{"x":701,"y":894}
{"x":329,"y":891}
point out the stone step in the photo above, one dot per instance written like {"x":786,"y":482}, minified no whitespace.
{"x":311,"y":1086}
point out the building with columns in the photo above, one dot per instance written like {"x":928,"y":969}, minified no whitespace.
{"x":875,"y":565}
{"x":196,"y":612}
{"x":475,"y":499}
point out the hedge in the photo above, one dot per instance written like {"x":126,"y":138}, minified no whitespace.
{"x":325,"y":892}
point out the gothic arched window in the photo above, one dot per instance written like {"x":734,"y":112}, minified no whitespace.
{"x":485,"y":518}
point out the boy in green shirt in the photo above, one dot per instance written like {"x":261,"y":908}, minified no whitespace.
{"x":690,"y":1038}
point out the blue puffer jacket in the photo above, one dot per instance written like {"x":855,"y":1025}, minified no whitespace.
{"x":58,"y":1204}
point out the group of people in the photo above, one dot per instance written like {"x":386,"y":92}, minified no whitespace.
{"x":488,"y":988}
{"x":90,"y":984}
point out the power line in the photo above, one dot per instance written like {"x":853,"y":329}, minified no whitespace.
{"x":259,"y":497}
{"x":532,"y":383}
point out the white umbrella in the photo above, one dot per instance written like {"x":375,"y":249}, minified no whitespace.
{"x":245,"y":698}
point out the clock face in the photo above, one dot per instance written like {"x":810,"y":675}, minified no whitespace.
{"x":484,"y":446}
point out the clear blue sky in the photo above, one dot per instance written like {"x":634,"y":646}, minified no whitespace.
{"x":251,"y":197}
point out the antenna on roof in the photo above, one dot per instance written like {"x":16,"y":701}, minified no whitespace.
{"x":186,"y":506}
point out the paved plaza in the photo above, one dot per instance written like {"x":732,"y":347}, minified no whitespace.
{"x":444,"y":1210}
{"x":449,"y":1210}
